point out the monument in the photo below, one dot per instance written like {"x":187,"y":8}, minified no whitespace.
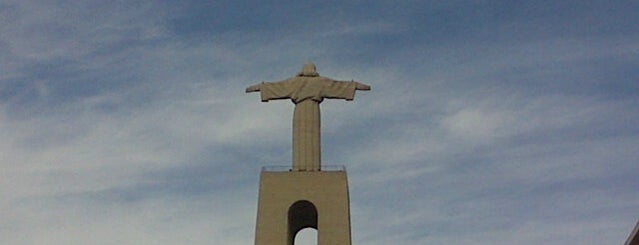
{"x":307,"y":194}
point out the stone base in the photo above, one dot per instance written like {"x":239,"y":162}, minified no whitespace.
{"x":291,"y":201}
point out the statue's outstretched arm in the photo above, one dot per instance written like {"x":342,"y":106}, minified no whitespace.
{"x":254,"y":88}
{"x":361,"y":86}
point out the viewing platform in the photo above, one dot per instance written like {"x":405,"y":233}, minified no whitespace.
{"x":282,"y":168}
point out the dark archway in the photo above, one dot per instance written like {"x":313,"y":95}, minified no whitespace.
{"x":302,"y":214}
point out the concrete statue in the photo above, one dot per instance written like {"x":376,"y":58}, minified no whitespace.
{"x":307,"y":90}
{"x":308,"y":196}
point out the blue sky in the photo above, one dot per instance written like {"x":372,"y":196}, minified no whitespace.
{"x":489,"y":122}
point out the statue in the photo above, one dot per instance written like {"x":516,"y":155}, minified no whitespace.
{"x":307,"y":90}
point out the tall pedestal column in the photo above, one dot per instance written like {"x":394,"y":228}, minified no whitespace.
{"x":291,"y":201}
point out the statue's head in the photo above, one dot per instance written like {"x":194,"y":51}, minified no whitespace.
{"x":308,"y":70}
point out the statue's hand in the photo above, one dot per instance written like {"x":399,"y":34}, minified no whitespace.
{"x":253,"y":88}
{"x":361,"y":86}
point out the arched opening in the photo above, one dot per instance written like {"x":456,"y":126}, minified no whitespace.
{"x":301,"y":215}
{"x":306,"y":236}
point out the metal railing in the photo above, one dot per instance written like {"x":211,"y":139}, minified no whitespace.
{"x":325,"y":168}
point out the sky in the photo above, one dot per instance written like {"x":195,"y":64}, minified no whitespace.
{"x":488,"y":122}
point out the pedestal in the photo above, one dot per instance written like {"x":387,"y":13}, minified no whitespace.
{"x":290,"y":201}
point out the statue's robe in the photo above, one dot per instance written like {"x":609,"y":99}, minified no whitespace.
{"x":307,"y":92}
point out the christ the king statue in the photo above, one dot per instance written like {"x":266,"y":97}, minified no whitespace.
{"x":307,"y":90}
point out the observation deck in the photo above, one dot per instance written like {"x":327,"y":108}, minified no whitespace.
{"x":282,"y":168}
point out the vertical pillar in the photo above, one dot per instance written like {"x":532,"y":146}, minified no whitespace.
{"x":306,"y":136}
{"x":291,"y":201}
